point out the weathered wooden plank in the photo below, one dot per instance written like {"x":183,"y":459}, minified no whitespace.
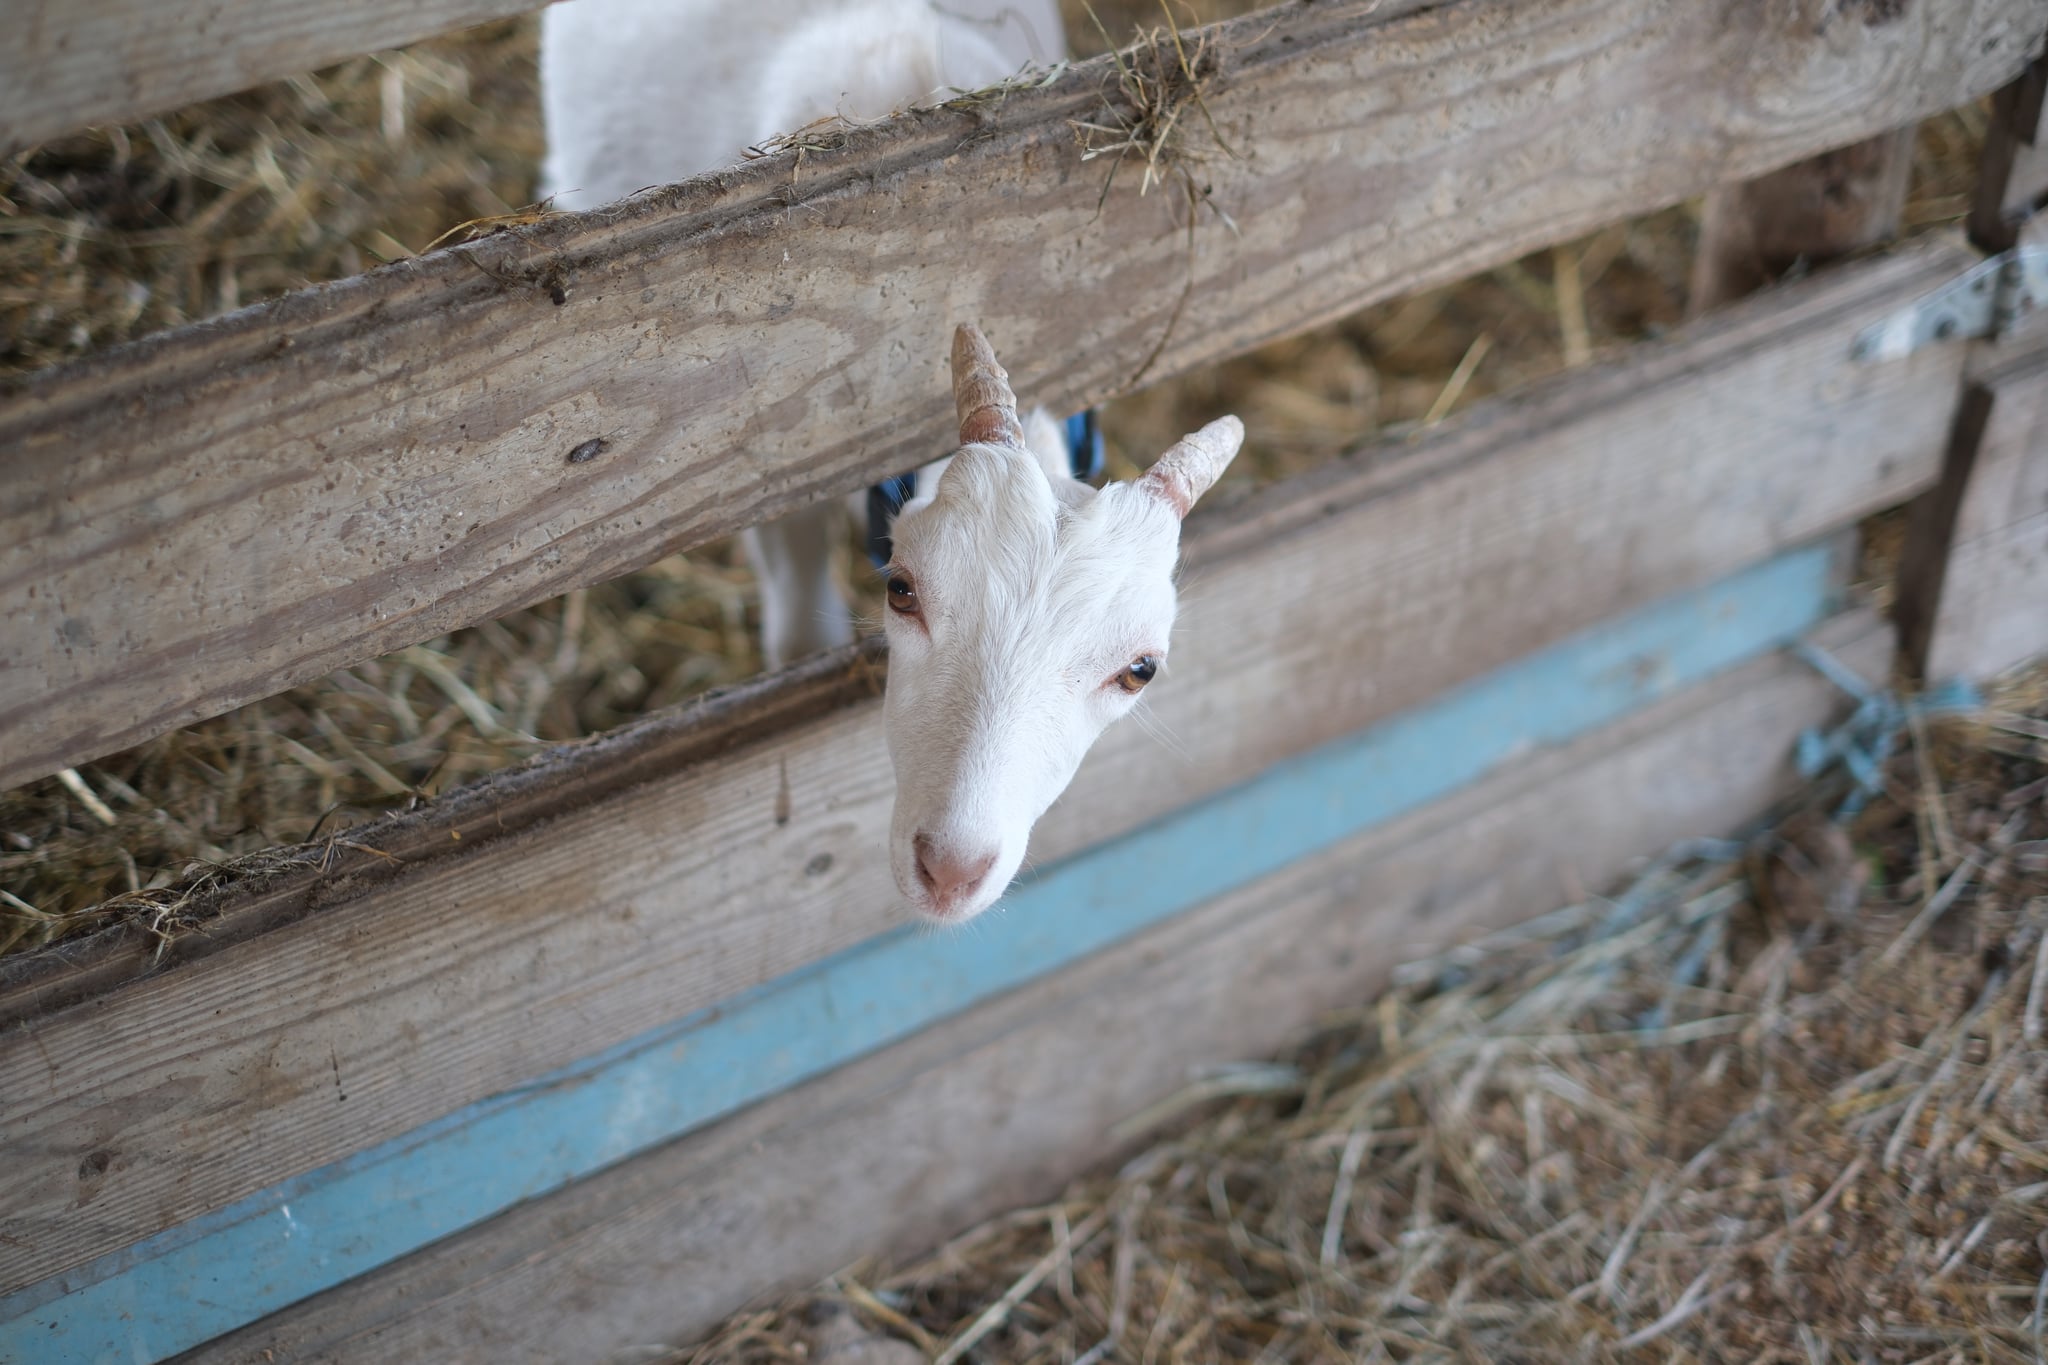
{"x":997,"y":1108}
{"x":1544,"y":513}
{"x":623,"y":893}
{"x":2012,"y":179}
{"x":313,"y":1231}
{"x":1995,"y":612}
{"x":387,"y":457}
{"x":1974,"y":598}
{"x":65,"y":66}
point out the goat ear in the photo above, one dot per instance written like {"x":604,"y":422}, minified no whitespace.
{"x":981,"y":392}
{"x":1195,"y":462}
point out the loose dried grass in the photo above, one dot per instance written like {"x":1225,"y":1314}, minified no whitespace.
{"x":1763,"y":1106}
{"x":210,"y":803}
{"x":119,"y":231}
{"x":1160,"y":79}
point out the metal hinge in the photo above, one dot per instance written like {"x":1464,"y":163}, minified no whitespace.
{"x":1984,"y":301}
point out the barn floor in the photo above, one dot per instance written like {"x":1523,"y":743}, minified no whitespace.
{"x":1782,"y":1102}
{"x":117,"y":232}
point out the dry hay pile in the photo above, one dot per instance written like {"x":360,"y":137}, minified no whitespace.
{"x":1781,"y":1102}
{"x":115,"y":232}
{"x":141,"y":833}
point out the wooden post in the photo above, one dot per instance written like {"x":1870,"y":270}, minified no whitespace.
{"x":1931,"y":521}
{"x":1970,"y":580}
{"x":1753,"y":232}
{"x":2012,"y":179}
{"x":1971,"y":601}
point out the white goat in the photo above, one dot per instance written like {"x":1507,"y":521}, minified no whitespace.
{"x":1026,"y":609}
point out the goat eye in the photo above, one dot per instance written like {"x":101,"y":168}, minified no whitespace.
{"x":1140,"y":671}
{"x":902,"y":596}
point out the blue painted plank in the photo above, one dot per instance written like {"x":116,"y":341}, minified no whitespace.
{"x":229,"y":1268}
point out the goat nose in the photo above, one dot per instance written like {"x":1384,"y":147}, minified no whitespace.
{"x":949,"y":876}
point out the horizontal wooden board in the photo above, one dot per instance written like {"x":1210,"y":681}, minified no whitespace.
{"x":620,"y":893}
{"x":999,"y":1107}
{"x":112,"y":61}
{"x":312,"y":1231}
{"x":1562,"y":521}
{"x":1993,"y":612}
{"x":388,"y":456}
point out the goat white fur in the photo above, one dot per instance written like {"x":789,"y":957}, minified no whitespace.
{"x":1026,"y":609}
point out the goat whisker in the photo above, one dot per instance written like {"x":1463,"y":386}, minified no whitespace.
{"x":1159,"y":730}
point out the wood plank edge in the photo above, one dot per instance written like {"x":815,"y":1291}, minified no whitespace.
{"x":736,"y":199}
{"x":274,"y":61}
{"x":1827,"y":298}
{"x":283,"y":885}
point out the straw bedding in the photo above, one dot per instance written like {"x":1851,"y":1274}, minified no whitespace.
{"x":1782,"y":1101}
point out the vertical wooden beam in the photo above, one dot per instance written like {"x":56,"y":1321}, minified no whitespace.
{"x":2012,"y":179}
{"x":1973,"y":583}
{"x":1931,"y":521}
{"x":1814,"y":211}
{"x":1971,"y":599}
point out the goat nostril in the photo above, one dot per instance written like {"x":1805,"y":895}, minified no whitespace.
{"x":946,"y":877}
{"x":979,"y":870}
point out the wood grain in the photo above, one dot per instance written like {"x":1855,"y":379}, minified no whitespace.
{"x":207,"y":517}
{"x":622,"y":894}
{"x":998,"y":1108}
{"x":65,"y":66}
{"x":1985,"y":609}
{"x":1994,"y":616}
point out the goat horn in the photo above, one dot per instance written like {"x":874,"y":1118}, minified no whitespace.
{"x":981,"y":392}
{"x":1194,"y":462}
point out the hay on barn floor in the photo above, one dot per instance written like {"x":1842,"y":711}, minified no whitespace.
{"x":119,"y":231}
{"x":114,"y":232}
{"x":1782,"y":1102}
{"x":213,"y":801}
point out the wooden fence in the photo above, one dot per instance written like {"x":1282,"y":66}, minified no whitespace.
{"x":593,"y":1051}
{"x":389,"y":454}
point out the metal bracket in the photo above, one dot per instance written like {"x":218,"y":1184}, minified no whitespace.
{"x":1984,"y":301}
